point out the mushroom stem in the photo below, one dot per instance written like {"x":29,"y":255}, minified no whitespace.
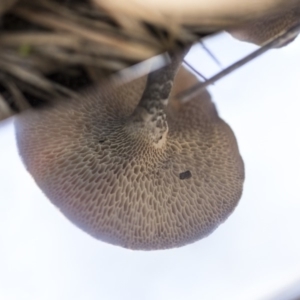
{"x":159,"y":85}
{"x":151,"y":108}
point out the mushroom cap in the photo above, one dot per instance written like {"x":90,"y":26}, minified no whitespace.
{"x":263,"y":30}
{"x":105,"y":177}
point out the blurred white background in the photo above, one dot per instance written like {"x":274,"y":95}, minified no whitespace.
{"x":255,"y":254}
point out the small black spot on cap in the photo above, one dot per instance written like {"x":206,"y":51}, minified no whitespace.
{"x":185,"y":175}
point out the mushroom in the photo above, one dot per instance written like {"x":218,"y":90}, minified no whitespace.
{"x":131,"y":169}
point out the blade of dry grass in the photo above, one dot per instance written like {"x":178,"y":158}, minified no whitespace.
{"x":34,"y":79}
{"x":5,"y":5}
{"x":136,"y":50}
{"x":5,"y":110}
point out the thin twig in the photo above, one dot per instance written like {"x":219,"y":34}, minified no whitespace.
{"x":277,"y":42}
{"x":194,"y":70}
{"x":212,"y":56}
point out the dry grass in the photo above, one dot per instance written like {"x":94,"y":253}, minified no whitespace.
{"x":50,"y":48}
{"x":47,"y":48}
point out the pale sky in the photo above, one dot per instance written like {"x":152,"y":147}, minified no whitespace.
{"x":255,"y":254}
